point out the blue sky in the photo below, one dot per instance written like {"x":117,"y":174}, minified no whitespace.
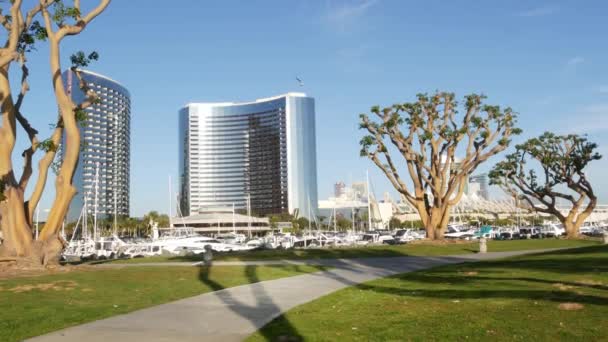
{"x":546,"y":59}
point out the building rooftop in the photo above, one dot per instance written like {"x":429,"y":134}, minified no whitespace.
{"x":101,"y":76}
{"x":225,"y":104}
{"x":214,"y":218}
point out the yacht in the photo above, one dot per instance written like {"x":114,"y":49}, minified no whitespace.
{"x":78,"y":249}
{"x":407,"y":235}
{"x":458,"y":232}
{"x":232,"y":238}
{"x":197,"y":245}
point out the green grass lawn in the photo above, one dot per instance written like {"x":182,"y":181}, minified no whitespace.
{"x":516,"y":299}
{"x":418,"y":249}
{"x":36,"y":305}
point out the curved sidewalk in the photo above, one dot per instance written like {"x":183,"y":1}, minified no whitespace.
{"x":234,"y":313}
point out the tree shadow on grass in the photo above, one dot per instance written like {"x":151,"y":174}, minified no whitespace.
{"x":547,"y":295}
{"x":590,"y":260}
{"x":597,"y":249}
{"x":461,"y":278}
{"x":490,"y":276}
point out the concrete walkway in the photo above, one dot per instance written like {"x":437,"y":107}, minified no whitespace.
{"x":233,"y":314}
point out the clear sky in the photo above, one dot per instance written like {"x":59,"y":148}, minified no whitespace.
{"x":546,"y":59}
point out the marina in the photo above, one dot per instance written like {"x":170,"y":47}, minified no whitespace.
{"x":186,"y":241}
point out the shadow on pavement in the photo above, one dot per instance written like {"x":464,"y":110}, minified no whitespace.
{"x":347,"y":272}
{"x":264,"y":304}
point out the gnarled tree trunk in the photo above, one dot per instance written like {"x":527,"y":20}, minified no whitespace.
{"x":435,"y":222}
{"x":571,"y":230}
{"x":19,"y":245}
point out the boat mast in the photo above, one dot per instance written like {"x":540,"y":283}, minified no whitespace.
{"x":335,"y":217}
{"x":82,"y":214}
{"x":170,"y":203}
{"x":517,"y":208}
{"x":352,"y":213}
{"x":85,"y":223}
{"x":249,"y":214}
{"x":95,"y":199}
{"x":233,"y":220}
{"x":115,"y":212}
{"x":309,"y":215}
{"x":369,"y":204}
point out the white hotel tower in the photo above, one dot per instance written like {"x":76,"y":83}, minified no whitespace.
{"x":263,"y":152}
{"x":103,"y":172}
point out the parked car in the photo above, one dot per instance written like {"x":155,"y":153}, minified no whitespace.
{"x":508,"y":235}
{"x":529,"y":233}
{"x":552,"y":230}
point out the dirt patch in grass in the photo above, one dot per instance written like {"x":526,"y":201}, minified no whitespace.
{"x":467,"y":272}
{"x":61,"y":285}
{"x":440,"y":242}
{"x":589,"y":282}
{"x":10,"y":272}
{"x":563,"y":287}
{"x":570,"y":306}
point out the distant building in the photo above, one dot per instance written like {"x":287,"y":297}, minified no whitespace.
{"x":354,"y":196}
{"x":478,"y":184}
{"x":386,"y":197}
{"x":386,"y":213}
{"x":262,"y":152}
{"x":360,"y":190}
{"x":222,"y":219}
{"x":474,"y":189}
{"x":454,"y":166}
{"x":105,"y":154}
{"x":339,"y":189}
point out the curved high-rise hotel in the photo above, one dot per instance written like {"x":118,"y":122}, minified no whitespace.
{"x":102,"y":175}
{"x":261,"y":152}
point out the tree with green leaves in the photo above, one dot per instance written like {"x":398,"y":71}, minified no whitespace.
{"x":428,"y":134}
{"x":303,"y":223}
{"x":24,"y":29}
{"x":161,"y":219}
{"x":417,"y":224}
{"x":558,"y":175}
{"x":394,"y":223}
{"x":343,"y":224}
{"x":321,"y":219}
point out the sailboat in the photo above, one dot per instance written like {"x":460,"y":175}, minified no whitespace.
{"x":95,"y":246}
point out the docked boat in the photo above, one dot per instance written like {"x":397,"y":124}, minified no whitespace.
{"x":407,"y":235}
{"x":459,"y":232}
{"x":196,"y":245}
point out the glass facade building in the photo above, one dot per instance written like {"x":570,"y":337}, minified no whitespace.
{"x":103,"y":172}
{"x":261,"y":152}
